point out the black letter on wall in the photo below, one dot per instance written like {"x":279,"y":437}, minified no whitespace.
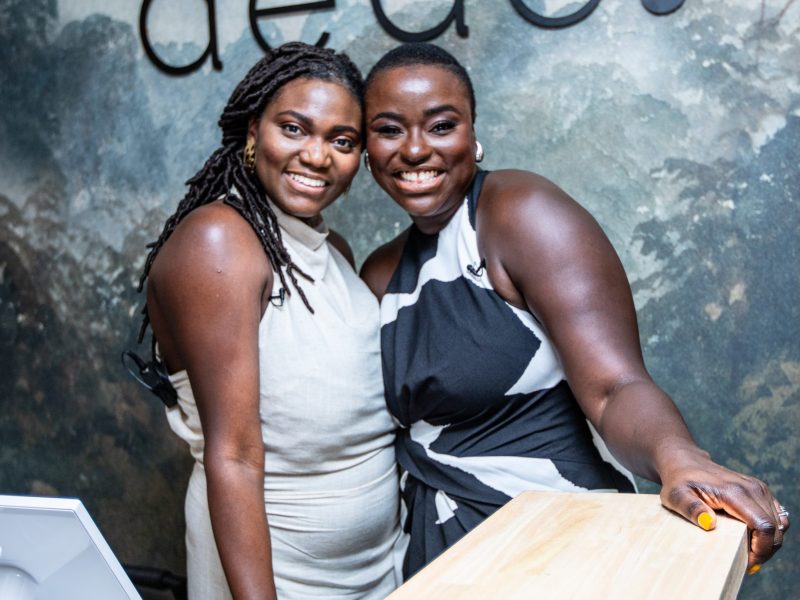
{"x":662,"y":7}
{"x":185,"y":70}
{"x":256,"y":14}
{"x":457,"y":13}
{"x":555,"y":22}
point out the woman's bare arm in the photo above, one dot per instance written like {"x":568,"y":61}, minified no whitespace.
{"x":205,"y":299}
{"x":546,"y":253}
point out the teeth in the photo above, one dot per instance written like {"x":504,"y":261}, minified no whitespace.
{"x":417,"y":176}
{"x":307,"y":180}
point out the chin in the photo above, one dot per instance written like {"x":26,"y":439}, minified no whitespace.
{"x":420,"y":206}
{"x":304,"y":206}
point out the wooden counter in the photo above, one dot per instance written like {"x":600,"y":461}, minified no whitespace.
{"x":588,"y":546}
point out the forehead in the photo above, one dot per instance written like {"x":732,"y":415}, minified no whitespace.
{"x":416,"y":83}
{"x":315,"y":96}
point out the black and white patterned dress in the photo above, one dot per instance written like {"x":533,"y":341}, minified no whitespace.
{"x":479,"y":393}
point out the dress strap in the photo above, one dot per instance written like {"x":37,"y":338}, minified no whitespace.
{"x":474,"y":193}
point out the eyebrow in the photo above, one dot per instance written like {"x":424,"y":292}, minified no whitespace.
{"x":387,"y":115}
{"x":427,"y":113}
{"x":440,"y":109}
{"x":308,"y":122}
{"x":299,"y":116}
{"x":346,"y":129}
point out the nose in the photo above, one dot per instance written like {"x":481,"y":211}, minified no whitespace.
{"x":415,"y":148}
{"x":316,"y":154}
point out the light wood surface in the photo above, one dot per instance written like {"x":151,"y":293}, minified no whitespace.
{"x":559,"y":545}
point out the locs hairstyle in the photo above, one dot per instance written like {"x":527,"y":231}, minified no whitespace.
{"x":409,"y":55}
{"x":224,"y":170}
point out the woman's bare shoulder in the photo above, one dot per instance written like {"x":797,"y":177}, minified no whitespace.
{"x":212,"y":238}
{"x":522,"y":207}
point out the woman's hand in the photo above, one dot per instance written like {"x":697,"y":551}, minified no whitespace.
{"x":695,"y":487}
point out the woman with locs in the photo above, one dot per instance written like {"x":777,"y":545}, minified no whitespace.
{"x":273,"y":347}
{"x":509,"y":334}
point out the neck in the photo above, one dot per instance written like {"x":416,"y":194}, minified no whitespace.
{"x":430,"y":225}
{"x":312,"y":221}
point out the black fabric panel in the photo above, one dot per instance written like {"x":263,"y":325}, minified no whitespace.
{"x":598,"y":475}
{"x":434,"y":475}
{"x":473,"y":194}
{"x":436,"y":538}
{"x":545,"y":424}
{"x":418,"y":250}
{"x":459,"y":341}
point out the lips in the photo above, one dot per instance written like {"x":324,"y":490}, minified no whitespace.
{"x":420,"y":180}
{"x":307,"y":181}
{"x":418,"y":176}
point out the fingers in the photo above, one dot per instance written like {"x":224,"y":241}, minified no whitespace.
{"x":753,"y":503}
{"x":685,"y":501}
{"x":780,"y":526}
{"x":765,"y":540}
{"x":744,"y":498}
{"x":783,"y":515}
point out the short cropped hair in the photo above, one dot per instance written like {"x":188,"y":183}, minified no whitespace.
{"x":421,"y":53}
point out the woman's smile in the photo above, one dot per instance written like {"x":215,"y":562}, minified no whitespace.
{"x":306,"y":183}
{"x":419,"y":181}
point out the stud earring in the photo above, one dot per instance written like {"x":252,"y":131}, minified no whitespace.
{"x":478,"y":151}
{"x":249,"y":157}
{"x":366,"y":161}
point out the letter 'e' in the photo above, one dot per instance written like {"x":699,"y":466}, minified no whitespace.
{"x":257,"y":13}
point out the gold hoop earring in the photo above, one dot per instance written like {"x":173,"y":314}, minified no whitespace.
{"x":249,"y":157}
{"x":478,"y":151}
{"x":366,"y":161}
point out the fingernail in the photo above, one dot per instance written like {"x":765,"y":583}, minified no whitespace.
{"x":705,"y":520}
{"x":754,"y":569}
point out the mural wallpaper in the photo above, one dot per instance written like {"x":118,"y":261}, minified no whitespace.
{"x":681,"y":134}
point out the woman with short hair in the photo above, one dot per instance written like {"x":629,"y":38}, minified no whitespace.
{"x":509,"y":334}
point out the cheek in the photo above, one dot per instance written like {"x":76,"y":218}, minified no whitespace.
{"x":274,"y":150}
{"x":457,"y":147}
{"x":380,"y":152}
{"x":273,"y":146}
{"x":347,"y":167}
{"x":351,"y":167}
{"x":265,"y":165}
{"x":378,"y":147}
{"x":372,"y":149}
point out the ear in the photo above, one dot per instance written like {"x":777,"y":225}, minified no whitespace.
{"x":252,"y":128}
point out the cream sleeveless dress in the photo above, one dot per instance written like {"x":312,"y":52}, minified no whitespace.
{"x":330,"y":481}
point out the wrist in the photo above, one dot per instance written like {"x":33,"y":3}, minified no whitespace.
{"x":678,"y":453}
